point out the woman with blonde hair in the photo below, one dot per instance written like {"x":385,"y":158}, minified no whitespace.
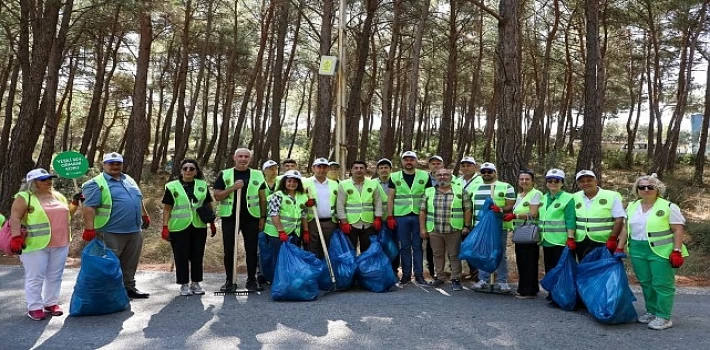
{"x":654,"y":231}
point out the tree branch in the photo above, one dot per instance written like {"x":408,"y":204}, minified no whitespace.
{"x":487,"y":9}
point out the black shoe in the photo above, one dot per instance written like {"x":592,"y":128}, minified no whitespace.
{"x":136,"y":294}
{"x":436,"y":282}
{"x":254,"y":285}
{"x":261,"y":279}
{"x":405,"y":280}
{"x":228,"y":286}
{"x":553,"y":305}
{"x":420,"y":281}
{"x":456,"y":285}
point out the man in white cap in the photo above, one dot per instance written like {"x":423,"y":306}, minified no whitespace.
{"x":406,"y":189}
{"x":384,"y":170}
{"x":600,"y":216}
{"x":334,"y":171}
{"x":271,"y":171}
{"x":323,"y":193}
{"x":113,"y":208}
{"x":503,"y":195}
{"x":435,"y":163}
{"x":468,"y":176}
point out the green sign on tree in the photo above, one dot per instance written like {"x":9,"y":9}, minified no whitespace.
{"x":70,"y":164}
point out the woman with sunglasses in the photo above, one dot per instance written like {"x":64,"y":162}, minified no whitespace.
{"x":526,"y":254}
{"x":44,"y":213}
{"x":184,"y":228}
{"x":557,"y":220}
{"x":656,"y":227}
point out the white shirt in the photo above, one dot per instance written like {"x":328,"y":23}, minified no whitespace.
{"x":617,"y":209}
{"x":637,"y":221}
{"x":322,"y":198}
{"x":534,"y":201}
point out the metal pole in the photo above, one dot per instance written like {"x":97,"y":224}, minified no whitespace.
{"x":340,"y":132}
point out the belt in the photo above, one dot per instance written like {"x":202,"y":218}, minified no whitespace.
{"x":325,"y":219}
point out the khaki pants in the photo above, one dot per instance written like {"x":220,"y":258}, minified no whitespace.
{"x":443,"y":245}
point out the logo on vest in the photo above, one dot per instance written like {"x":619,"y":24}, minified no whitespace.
{"x":421,"y":182}
{"x":175,"y":194}
{"x":287,"y":201}
{"x":602,"y":201}
{"x":255,"y":183}
{"x":350,"y":191}
{"x":399,"y":183}
{"x":557,"y":205}
{"x":335,"y":193}
{"x":458,"y":195}
{"x":303,"y":206}
{"x":525,"y":204}
{"x":201,"y":189}
{"x":30,"y":209}
{"x":579,"y":205}
{"x":501,"y":194}
{"x":660,"y":213}
{"x":369,"y":190}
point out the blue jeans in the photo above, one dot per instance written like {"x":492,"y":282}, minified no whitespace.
{"x":410,"y":241}
{"x":502,"y":270}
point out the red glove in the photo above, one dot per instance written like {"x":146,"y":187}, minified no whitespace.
{"x":17,"y":244}
{"x":146,"y":222}
{"x":88,"y":234}
{"x":508,"y":217}
{"x":619,"y":250}
{"x":310,"y":202}
{"x":377,"y":224}
{"x":306,"y":237}
{"x":345,"y":227}
{"x":496,"y":209}
{"x":676,"y":259}
{"x":283,"y":236}
{"x":571,"y":244}
{"x":213,"y":229}
{"x":391,"y":222}
{"x":611,"y":243}
{"x":165,"y":233}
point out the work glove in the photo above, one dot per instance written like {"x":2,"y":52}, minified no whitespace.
{"x":496,"y":209}
{"x":377,"y":224}
{"x":345,"y":227}
{"x":306,"y":237}
{"x":619,"y":250}
{"x":508,"y":217}
{"x":146,"y":222}
{"x":89,"y":234}
{"x":213,"y":229}
{"x":611,"y":243}
{"x":77,"y":198}
{"x":571,"y":244}
{"x":310,"y":202}
{"x":391,"y":222}
{"x":283,"y":236}
{"x":165,"y":233}
{"x":676,"y":259}
{"x":17,"y":244}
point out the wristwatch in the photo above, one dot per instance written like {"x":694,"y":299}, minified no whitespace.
{"x":676,"y":249}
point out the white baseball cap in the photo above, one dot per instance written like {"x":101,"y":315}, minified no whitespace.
{"x":39,"y":174}
{"x":409,"y":154}
{"x":320,"y":161}
{"x":584,"y":173}
{"x":435,"y":157}
{"x":268,"y":164}
{"x":113,"y":157}
{"x":334,"y":163}
{"x":468,"y":159}
{"x":384,"y":161}
{"x":293,"y":174}
{"x":489,"y":166}
{"x":555,"y":173}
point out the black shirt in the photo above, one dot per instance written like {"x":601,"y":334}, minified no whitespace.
{"x":189,"y":189}
{"x":238,"y":175}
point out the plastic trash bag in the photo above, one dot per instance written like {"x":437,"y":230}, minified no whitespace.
{"x":604,"y":287}
{"x":374,"y":270}
{"x":342,"y":259}
{"x":482,"y":247}
{"x":99,"y":287}
{"x":560,"y":282}
{"x":266,"y":256}
{"x":388,"y":245}
{"x":296,"y":274}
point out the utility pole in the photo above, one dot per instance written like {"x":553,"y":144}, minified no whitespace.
{"x":340,"y":136}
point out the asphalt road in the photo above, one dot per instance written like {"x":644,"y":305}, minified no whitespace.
{"x":409,"y":317}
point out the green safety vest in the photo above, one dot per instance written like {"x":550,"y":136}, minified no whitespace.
{"x":103,"y":211}
{"x":309,"y":185}
{"x":359,"y":206}
{"x":660,"y":236}
{"x":383,"y":195}
{"x":2,"y":220}
{"x":524,"y":207}
{"x":289,"y":213}
{"x":406,"y":199}
{"x":552,"y":219}
{"x":456,"y":211}
{"x":477,"y":180}
{"x":499,"y":191}
{"x":256,"y":179}
{"x":184,"y":211}
{"x":596,"y":222}
{"x":267,"y":191}
{"x":39,"y":229}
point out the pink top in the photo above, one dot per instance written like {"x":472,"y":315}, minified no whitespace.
{"x":58,"y":215}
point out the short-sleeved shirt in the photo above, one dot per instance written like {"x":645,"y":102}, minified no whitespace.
{"x":483,"y":192}
{"x":127,"y":203}
{"x":534,"y":201}
{"x":570,"y":214}
{"x":409,"y":180}
{"x":617,"y":209}
{"x":238,"y":175}
{"x":638,"y":220}
{"x":58,"y":215}
{"x":189,"y":188}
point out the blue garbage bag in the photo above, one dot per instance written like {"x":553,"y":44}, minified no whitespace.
{"x":388,"y":245}
{"x":374,"y":270}
{"x":342,"y":259}
{"x":296,"y":274}
{"x":266,"y":257}
{"x":99,"y":287}
{"x":604,"y":287}
{"x":560,"y":282}
{"x":482,"y":247}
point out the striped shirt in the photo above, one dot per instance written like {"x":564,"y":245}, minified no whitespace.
{"x":483,"y":192}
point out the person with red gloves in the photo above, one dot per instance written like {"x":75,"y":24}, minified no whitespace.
{"x":184,"y":228}
{"x":503,"y":195}
{"x":600,"y":215}
{"x":384,"y":170}
{"x":359,"y":207}
{"x":322,"y":195}
{"x":444,"y":213}
{"x":654,"y":232}
{"x":114,"y":211}
{"x":527,"y":255}
{"x":40,"y":230}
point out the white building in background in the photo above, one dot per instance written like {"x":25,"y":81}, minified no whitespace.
{"x":696,"y":124}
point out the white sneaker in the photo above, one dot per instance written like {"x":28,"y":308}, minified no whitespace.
{"x":185,"y":289}
{"x":480,"y":285}
{"x":659,"y":323}
{"x":196,"y":289}
{"x":504,"y":287}
{"x":646,"y":318}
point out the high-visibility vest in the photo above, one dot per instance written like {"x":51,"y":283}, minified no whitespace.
{"x":597,"y":221}
{"x":658,"y":227}
{"x":406,"y":199}
{"x":289,"y":214}
{"x":553,"y":228}
{"x":184,"y":211}
{"x":256,"y":179}
{"x":524,"y":207}
{"x":476,"y":180}
{"x":309,"y":185}
{"x":499,"y":190}
{"x":268,"y":191}
{"x":2,"y":220}
{"x":359,"y":206}
{"x":103,"y":211}
{"x":39,"y":229}
{"x":456,"y":211}
{"x":383,"y":195}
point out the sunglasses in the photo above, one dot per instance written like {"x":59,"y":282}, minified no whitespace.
{"x":114,"y":163}
{"x":44,"y":180}
{"x":645,"y":187}
{"x":553,"y":181}
{"x":189,"y":168}
{"x":486,"y":171}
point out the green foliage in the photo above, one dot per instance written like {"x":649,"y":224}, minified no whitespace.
{"x":699,"y":232}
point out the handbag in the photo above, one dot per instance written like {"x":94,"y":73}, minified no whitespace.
{"x":526,"y":233}
{"x":206,"y":213}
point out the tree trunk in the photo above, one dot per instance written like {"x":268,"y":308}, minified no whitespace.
{"x":9,"y":106}
{"x":321,"y":126}
{"x":703,"y":142}
{"x":446,"y":131}
{"x":410,"y":116}
{"x":386,"y":130}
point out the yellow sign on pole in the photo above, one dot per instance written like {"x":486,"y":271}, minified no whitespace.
{"x":328,"y":65}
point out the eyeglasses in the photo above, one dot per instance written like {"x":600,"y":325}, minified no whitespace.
{"x":486,"y":171}
{"x":189,"y":168}
{"x":44,"y":180}
{"x":443,"y":175}
{"x":552,"y":181}
{"x":645,"y":187}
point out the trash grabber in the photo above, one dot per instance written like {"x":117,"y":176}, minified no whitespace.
{"x":236,"y":249}
{"x":322,"y":243}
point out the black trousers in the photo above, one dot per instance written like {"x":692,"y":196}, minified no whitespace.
{"x":361,"y":235}
{"x":526,"y":258}
{"x":188,"y":252}
{"x":430,"y":259}
{"x":552,"y":256}
{"x":250,"y":232}
{"x":585,"y":247}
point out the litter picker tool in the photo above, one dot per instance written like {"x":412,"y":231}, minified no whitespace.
{"x":324,"y":245}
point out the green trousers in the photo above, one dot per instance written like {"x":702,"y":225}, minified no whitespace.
{"x":656,"y":276}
